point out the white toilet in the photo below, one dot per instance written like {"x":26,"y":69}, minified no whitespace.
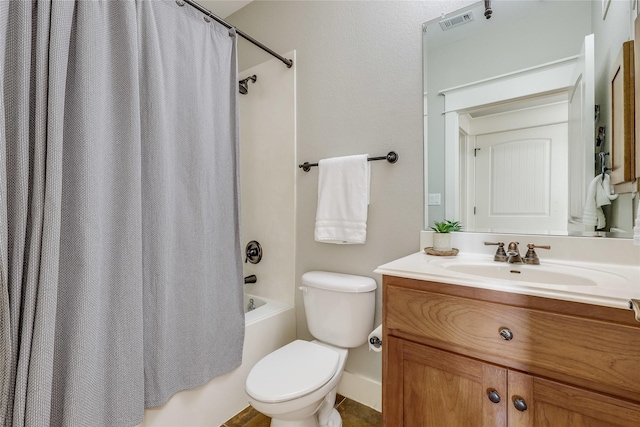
{"x":296,"y":385}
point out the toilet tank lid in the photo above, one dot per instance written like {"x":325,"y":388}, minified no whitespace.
{"x":338,"y":282}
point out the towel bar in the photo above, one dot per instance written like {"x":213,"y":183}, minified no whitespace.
{"x":391,"y":157}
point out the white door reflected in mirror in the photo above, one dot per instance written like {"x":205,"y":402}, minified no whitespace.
{"x":521,"y":179}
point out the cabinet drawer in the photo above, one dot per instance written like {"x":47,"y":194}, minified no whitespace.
{"x":600,"y":355}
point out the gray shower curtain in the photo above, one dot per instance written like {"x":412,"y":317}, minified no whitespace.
{"x":120,"y":270}
{"x":194,"y":321}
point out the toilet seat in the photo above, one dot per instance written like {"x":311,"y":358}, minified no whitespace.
{"x":292,"y":371}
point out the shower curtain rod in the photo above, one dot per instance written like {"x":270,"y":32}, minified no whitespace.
{"x":287,"y":62}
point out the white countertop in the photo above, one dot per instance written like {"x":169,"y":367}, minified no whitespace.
{"x":622,"y":285}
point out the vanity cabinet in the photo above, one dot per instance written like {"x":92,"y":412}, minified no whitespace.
{"x":461,"y":356}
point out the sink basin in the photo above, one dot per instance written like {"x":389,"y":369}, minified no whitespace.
{"x":589,"y":282}
{"x":551,"y":275}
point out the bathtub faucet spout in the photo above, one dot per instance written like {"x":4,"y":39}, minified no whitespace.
{"x":250,"y":279}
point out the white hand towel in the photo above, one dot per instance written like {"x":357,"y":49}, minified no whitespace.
{"x":604,"y":194}
{"x":343,"y":199}
{"x":593,"y":215}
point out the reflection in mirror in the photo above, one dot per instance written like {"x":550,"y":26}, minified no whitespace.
{"x":513,"y":105}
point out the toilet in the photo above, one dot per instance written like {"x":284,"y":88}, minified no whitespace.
{"x":296,"y":385}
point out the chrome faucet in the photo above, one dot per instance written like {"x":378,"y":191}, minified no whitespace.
{"x":514,"y":254}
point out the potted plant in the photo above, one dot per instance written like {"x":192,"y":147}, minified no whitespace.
{"x":442,"y":236}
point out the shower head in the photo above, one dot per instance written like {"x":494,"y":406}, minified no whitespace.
{"x":244,"y":84}
{"x":487,"y":9}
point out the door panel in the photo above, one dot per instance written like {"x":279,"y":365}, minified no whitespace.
{"x":550,"y":404}
{"x":521,"y":179}
{"x":444,"y":389}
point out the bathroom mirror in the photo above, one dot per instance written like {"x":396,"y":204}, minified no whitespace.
{"x":512,"y":109}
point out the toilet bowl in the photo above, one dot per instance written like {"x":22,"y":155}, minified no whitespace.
{"x":296,"y":385}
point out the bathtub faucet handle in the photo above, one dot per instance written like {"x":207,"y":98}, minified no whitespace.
{"x":253,"y":252}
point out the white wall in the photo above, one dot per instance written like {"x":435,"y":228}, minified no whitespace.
{"x":359,"y":90}
{"x":267,"y":175}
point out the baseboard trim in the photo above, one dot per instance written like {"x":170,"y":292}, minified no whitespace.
{"x":362,"y":390}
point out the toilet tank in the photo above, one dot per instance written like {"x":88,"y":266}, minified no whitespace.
{"x":339,"y":307}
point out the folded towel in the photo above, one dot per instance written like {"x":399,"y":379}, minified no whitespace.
{"x":604,"y":194}
{"x":343,"y":199}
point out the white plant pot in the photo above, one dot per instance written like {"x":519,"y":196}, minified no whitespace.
{"x":442,"y":241}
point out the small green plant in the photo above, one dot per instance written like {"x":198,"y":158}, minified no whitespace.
{"x":446,"y":226}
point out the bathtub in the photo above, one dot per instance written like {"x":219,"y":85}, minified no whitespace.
{"x":268,"y":327}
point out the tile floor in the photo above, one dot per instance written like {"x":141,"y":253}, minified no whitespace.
{"x":353,"y":414}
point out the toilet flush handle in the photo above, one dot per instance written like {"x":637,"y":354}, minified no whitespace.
{"x":303,"y":288}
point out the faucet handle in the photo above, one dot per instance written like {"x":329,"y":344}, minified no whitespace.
{"x":532,"y":257}
{"x":501,"y":255}
{"x":531,"y":246}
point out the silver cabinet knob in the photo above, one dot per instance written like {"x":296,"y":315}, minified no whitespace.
{"x":506,"y":334}
{"x":520,"y":404}
{"x":493,"y":395}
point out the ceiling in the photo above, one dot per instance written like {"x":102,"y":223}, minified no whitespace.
{"x":223,"y":8}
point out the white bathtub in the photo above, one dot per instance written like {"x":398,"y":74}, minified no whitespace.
{"x":270,"y":326}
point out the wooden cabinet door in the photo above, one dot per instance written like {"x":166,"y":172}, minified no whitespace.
{"x":551,"y":404}
{"x":426,"y":387}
